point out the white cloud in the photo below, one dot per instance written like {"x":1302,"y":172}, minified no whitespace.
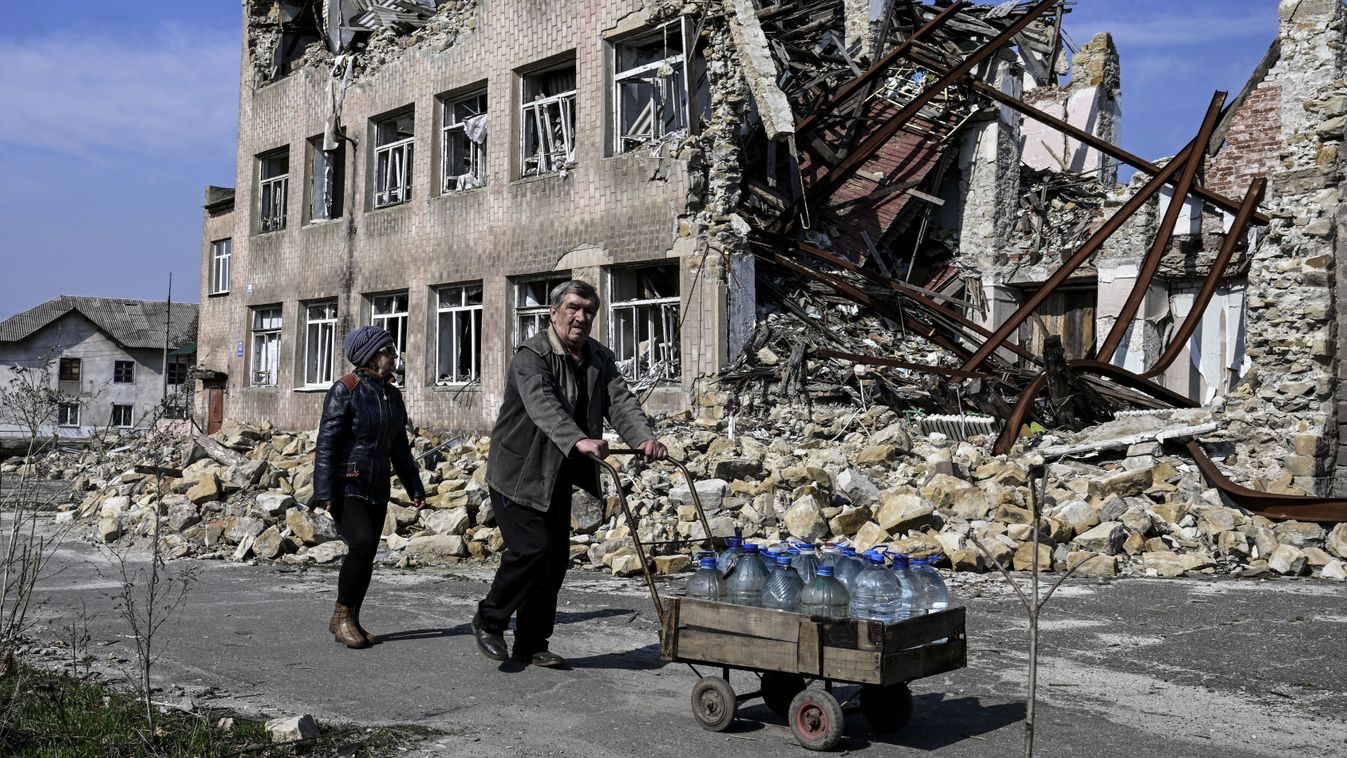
{"x":81,"y":94}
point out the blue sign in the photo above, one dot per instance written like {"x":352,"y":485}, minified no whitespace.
{"x":238,"y":349}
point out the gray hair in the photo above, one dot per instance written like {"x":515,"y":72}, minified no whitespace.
{"x":573,"y":287}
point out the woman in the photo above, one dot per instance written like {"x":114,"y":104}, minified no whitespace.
{"x":363,"y":428}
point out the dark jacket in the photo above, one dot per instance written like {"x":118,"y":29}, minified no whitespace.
{"x":364,"y":425}
{"x":535,"y":432}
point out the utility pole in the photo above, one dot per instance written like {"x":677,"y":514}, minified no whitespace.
{"x":168,"y":320}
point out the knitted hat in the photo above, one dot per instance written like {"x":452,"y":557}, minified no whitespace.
{"x":363,"y":343}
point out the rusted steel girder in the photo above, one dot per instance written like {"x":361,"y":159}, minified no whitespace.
{"x":841,"y":172}
{"x":1151,"y":263}
{"x":1267,"y":504}
{"x":1069,"y":267}
{"x":1252,"y":198}
{"x":879,"y":68}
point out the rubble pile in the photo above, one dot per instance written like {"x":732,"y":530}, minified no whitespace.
{"x":863,"y":477}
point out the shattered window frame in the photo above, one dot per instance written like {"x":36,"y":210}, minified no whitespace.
{"x":458,"y":325}
{"x":264,"y":362}
{"x":69,"y":370}
{"x":320,"y":339}
{"x":122,"y":416}
{"x":673,"y":86}
{"x":643,"y":323}
{"x":220,"y":253}
{"x":531,"y":304}
{"x":389,"y":312}
{"x":463,"y":159}
{"x":327,"y":182}
{"x":176,"y":372}
{"x":67,"y":414}
{"x":393,"y":158}
{"x":123,"y":372}
{"x":544,"y":151}
{"x":273,"y":190}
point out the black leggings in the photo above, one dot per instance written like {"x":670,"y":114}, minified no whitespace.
{"x":360,"y":524}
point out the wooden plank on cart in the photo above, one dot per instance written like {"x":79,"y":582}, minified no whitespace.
{"x":928,"y":660}
{"x":668,"y":632}
{"x":739,"y":619}
{"x":860,"y":666}
{"x":809,"y":656}
{"x":923,"y":629}
{"x":702,"y":646}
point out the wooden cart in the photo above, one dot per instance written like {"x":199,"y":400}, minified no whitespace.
{"x":788,"y":651}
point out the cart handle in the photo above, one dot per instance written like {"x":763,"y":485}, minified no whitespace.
{"x":631,"y":517}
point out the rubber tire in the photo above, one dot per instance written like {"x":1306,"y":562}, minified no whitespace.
{"x":815,"y":719}
{"x":886,"y":709}
{"x":713,"y":703}
{"x":779,"y":689}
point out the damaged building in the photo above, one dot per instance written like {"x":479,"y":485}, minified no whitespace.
{"x":788,"y":204}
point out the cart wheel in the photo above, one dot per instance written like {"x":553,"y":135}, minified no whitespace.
{"x":816,"y":719}
{"x":779,"y":688}
{"x":713,"y":703}
{"x":886,"y":709}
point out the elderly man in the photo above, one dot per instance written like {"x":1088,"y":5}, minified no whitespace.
{"x":561,"y":386}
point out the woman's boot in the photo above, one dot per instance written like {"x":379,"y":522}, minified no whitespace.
{"x":344,"y":628}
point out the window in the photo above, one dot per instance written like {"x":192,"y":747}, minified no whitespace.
{"x":326,"y":185}
{"x":121,"y":415}
{"x":69,"y":370}
{"x":651,"y":87}
{"x":393,"y":139}
{"x":220,"y":250}
{"x":68,"y":414}
{"x":266,"y":345}
{"x":458,"y":353}
{"x":643,"y":322}
{"x":274,"y":187}
{"x":177,"y":371}
{"x":531,"y":304}
{"x":123,"y":372}
{"x":390,"y":312}
{"x":320,"y":336}
{"x":463,"y":143}
{"x":547,"y":117}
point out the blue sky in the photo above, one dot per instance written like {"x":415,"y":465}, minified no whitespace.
{"x":117,"y":115}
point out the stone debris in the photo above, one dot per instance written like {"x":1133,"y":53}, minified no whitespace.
{"x":1140,"y":515}
{"x":292,"y":729}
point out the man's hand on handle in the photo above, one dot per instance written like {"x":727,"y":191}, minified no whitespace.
{"x":653,"y":450}
{"x":596,"y":448}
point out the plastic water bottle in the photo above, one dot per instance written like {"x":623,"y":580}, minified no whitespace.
{"x":806,"y":563}
{"x":913,"y":585}
{"x":847,"y":566}
{"x":745,"y":583}
{"x":782,"y":591}
{"x":726,"y":560}
{"x":867,"y":586}
{"x":707,"y":583}
{"x":825,"y":596}
{"x":935,"y":595}
{"x":828,"y":556}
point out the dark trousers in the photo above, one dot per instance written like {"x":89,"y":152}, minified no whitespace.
{"x":537,"y":554}
{"x":359,"y":522}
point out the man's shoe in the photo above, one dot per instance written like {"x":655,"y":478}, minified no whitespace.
{"x":492,"y":645}
{"x":544,"y":658}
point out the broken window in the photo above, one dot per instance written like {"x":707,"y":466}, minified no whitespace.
{"x":458,"y":355}
{"x":463,"y":143}
{"x":643,"y":322}
{"x":176,"y":372}
{"x":531,"y":306}
{"x":266,"y":346}
{"x":220,"y":250}
{"x":69,"y":370}
{"x":389,"y":312}
{"x":121,"y":415}
{"x":393,"y":138}
{"x":68,"y":414}
{"x":547,"y":121}
{"x":123,"y":372}
{"x":651,"y":87}
{"x":327,"y":183}
{"x":320,"y":335}
{"x":273,"y":189}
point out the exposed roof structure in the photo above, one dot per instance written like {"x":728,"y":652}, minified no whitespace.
{"x":131,"y":323}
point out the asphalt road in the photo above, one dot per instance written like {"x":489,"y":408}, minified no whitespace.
{"x":1209,"y":667}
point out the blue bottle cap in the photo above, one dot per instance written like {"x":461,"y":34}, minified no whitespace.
{"x":920,"y":560}
{"x":734,"y":541}
{"x":900,"y":560}
{"x":807,"y":549}
{"x":794,"y":550}
{"x":782,"y":559}
{"x":825,"y":571}
{"x":849,"y":551}
{"x":708,"y":563}
{"x":750,"y":548}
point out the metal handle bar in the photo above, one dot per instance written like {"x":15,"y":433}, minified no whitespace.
{"x":631,"y":518}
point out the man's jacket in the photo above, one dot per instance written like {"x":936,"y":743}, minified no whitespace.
{"x":536,"y":430}
{"x":364,"y":425}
